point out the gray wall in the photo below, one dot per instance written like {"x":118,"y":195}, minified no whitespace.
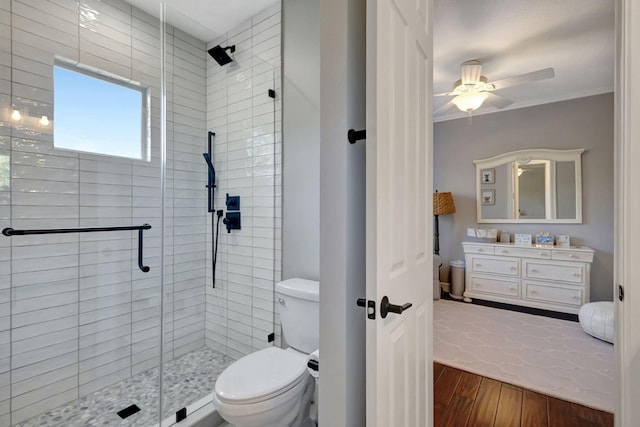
{"x":301,"y":139}
{"x":342,"y":223}
{"x":579,"y":123}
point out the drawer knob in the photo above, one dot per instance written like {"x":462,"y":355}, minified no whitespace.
{"x":533,"y":270}
{"x":534,"y":292}
{"x":480,"y":250}
{"x":572,"y":256}
{"x":513,"y":268}
{"x":575,"y":297}
{"x":478,"y":265}
{"x":504,"y":251}
{"x":542,"y":253}
{"x":512,"y":289}
{"x":576,"y":274}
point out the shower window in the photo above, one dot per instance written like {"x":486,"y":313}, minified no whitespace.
{"x":98,"y":114}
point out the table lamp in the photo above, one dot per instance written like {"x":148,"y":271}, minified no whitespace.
{"x":442,"y":205}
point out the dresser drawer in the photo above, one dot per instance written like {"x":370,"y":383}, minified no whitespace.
{"x":523,"y":252}
{"x":572,"y":256}
{"x":478,"y":249}
{"x":554,"y":294}
{"x":491,"y":285}
{"x":480,"y":264}
{"x":557,"y":272}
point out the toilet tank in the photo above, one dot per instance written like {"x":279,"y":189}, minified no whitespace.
{"x":297,"y":302}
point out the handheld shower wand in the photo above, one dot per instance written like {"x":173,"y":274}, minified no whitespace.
{"x":211,"y":185}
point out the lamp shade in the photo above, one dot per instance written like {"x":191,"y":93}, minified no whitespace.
{"x":443,"y":204}
{"x":470,"y":101}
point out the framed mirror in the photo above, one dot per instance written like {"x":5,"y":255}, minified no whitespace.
{"x":530,"y":186}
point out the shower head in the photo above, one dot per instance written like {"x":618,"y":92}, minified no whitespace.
{"x":220,"y":55}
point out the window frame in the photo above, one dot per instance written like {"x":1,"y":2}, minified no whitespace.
{"x":145,"y":112}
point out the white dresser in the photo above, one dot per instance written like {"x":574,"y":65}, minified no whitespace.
{"x":549,"y":278}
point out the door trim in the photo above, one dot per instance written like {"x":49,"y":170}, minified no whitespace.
{"x":627,"y":210}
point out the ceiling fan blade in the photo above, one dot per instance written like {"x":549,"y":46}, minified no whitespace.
{"x":444,"y":107}
{"x":498,"y":101}
{"x":545,"y":73}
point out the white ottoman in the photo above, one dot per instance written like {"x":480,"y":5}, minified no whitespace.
{"x":598,"y":320}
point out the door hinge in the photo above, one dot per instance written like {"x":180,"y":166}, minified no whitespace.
{"x":620,"y":293}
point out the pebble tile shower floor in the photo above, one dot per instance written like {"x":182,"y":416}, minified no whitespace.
{"x":187,"y":379}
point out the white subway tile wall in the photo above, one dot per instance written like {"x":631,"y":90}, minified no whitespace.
{"x":82,"y":315}
{"x":247,"y":156}
{"x":76,"y":313}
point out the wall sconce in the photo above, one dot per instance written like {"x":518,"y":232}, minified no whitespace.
{"x":442,"y":205}
{"x":16,"y":116}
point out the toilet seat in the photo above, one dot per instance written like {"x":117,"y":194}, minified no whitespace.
{"x":261,"y":376}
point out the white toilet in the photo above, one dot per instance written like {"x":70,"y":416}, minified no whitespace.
{"x":272,"y":387}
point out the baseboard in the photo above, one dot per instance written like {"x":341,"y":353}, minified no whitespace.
{"x":518,"y":308}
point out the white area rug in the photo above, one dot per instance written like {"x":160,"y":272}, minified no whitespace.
{"x":551,"y":356}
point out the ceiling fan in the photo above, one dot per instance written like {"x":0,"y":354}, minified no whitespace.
{"x":473,"y":88}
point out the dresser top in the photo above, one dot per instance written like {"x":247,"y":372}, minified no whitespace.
{"x":532,"y":246}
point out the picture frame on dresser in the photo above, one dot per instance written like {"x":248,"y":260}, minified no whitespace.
{"x":522,"y":239}
{"x":544,"y":239}
{"x":563,"y":240}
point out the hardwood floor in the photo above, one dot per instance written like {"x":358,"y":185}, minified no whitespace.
{"x":464,"y":399}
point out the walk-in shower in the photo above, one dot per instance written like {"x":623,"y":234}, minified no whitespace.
{"x":112,"y":319}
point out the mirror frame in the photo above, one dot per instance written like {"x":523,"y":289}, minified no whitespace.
{"x":526,"y":156}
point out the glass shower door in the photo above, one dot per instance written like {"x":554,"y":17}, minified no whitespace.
{"x":79,"y":319}
{"x":235,"y":109}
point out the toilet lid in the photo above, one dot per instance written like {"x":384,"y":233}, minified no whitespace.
{"x":261,"y":375}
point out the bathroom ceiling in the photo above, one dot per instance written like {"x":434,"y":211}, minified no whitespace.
{"x":509,"y":37}
{"x":204,"y":19}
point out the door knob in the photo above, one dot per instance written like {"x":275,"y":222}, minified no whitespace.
{"x":386,"y":307}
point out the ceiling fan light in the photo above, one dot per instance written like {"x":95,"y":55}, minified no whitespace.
{"x":470,"y":101}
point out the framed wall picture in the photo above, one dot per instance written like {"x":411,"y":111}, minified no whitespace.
{"x":488,"y":197}
{"x":488,"y":176}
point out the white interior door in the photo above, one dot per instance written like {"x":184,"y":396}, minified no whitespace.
{"x":399,"y":212}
